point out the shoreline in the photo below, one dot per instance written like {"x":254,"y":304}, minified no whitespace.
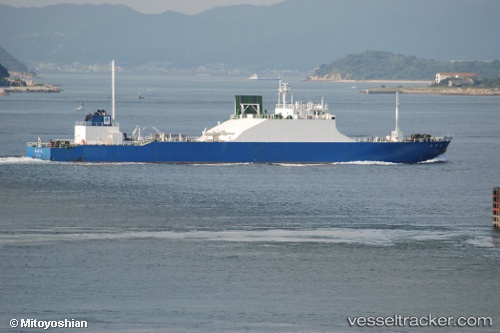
{"x":435,"y":91}
{"x":450,"y":91}
{"x":370,"y":81}
{"x":37,"y":88}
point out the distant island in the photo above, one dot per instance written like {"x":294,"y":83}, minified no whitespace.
{"x":15,"y":77}
{"x":20,"y":83}
{"x":379,"y":65}
{"x":435,"y":90}
{"x":30,"y":87}
{"x":464,"y":77}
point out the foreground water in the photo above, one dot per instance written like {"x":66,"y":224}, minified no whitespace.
{"x":246,"y":248}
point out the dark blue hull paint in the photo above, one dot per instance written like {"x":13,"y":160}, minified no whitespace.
{"x":244,"y":152}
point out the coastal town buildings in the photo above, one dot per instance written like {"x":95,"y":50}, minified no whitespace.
{"x":456,"y":78}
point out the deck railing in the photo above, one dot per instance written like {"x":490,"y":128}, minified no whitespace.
{"x":326,"y":116}
{"x":408,"y":139}
{"x":89,"y":123}
{"x":67,"y":143}
{"x":52,"y":144}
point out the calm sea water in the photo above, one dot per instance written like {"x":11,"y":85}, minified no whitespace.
{"x":246,"y":248}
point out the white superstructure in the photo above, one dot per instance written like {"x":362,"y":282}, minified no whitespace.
{"x":291,"y":122}
{"x":100,"y":128}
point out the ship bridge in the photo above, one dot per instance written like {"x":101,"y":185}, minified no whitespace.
{"x":98,"y":128}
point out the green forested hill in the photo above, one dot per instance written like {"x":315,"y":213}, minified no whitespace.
{"x":377,"y":65}
{"x":3,"y":74}
{"x":10,"y":62}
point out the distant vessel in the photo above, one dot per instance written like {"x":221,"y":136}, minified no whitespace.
{"x":256,"y":77}
{"x":80,"y":107}
{"x":296,"y":133}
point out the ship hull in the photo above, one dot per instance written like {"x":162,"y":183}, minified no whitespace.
{"x":246,"y":152}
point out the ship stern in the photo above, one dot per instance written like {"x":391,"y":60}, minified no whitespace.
{"x":38,"y":152}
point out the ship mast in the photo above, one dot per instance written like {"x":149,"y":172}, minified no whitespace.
{"x":397,"y":135}
{"x":113,"y":90}
{"x":397,"y":111}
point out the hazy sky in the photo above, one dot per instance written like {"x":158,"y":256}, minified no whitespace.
{"x":147,"y":6}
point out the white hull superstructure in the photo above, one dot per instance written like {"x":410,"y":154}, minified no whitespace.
{"x":291,"y":122}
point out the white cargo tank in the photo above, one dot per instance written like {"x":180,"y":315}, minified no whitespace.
{"x":291,"y":122}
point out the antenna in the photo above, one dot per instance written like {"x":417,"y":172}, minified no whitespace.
{"x":113,"y":89}
{"x":397,"y":135}
{"x":397,"y":111}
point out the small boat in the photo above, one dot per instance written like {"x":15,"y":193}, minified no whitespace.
{"x":80,"y":107}
{"x":296,"y":132}
{"x":256,"y":77}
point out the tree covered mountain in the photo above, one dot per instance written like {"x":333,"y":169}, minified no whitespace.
{"x":4,"y":73}
{"x":11,"y":63}
{"x":373,"y":65}
{"x":293,"y":34}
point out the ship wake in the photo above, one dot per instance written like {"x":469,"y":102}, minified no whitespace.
{"x":371,"y":237}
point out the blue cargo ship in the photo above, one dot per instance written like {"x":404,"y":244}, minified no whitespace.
{"x":296,"y":133}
